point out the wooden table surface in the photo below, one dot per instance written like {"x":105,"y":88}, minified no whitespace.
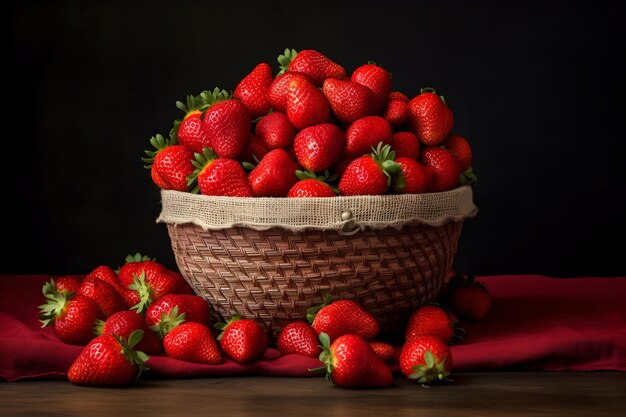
{"x":594,"y":394}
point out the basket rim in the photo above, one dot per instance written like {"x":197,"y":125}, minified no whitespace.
{"x":345,"y":214}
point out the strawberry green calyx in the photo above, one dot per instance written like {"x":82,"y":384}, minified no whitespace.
{"x":134,"y":357}
{"x":168,"y":321}
{"x":137,"y":257}
{"x":312,"y":311}
{"x":468,"y":177}
{"x":326,"y":357}
{"x":221,"y":326}
{"x":98,"y":327}
{"x":159,"y":143}
{"x":144,"y":291}
{"x":431,"y":372}
{"x":285,"y":59}
{"x":55,"y":304}
{"x":193,"y":103}
{"x":326,"y":178}
{"x":384,"y":157}
{"x":201,"y":161}
{"x":210,"y":97}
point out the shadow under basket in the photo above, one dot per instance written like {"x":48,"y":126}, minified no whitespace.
{"x":273,"y":271}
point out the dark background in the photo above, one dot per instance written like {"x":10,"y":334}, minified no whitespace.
{"x":538,"y":88}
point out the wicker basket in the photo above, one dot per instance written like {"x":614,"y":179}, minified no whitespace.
{"x":274,"y":271}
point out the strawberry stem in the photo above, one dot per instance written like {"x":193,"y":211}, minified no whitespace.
{"x":285,"y":59}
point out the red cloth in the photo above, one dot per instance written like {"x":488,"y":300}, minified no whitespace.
{"x":536,"y":322}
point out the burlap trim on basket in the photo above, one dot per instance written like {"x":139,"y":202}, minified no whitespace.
{"x":343,"y":214}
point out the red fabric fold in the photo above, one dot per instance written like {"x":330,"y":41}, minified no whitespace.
{"x":536,"y":322}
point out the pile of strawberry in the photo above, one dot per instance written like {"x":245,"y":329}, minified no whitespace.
{"x":312,"y":130}
{"x":121,"y":317}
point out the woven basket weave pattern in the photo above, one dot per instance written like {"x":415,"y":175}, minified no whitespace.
{"x":275,"y":275}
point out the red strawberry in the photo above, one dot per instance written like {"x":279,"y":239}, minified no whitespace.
{"x":275,"y":130}
{"x":103,"y":294}
{"x":384,"y":350}
{"x":106,"y":273}
{"x":426,"y":359}
{"x":228,"y":124}
{"x":219,"y":176}
{"x":253,"y":152}
{"x":312,"y":185}
{"x":397,"y":95}
{"x":169,"y":164}
{"x":413,"y":178}
{"x":72,"y":316}
{"x":429,"y":117}
{"x":168,"y":311}
{"x":377,"y":79}
{"x":350,"y":362}
{"x":345,"y":317}
{"x":124,"y":323}
{"x":306,"y":104}
{"x":470,"y":299}
{"x":274,"y":175}
{"x":192,"y":342}
{"x":406,"y":145}
{"x":396,"y":112}
{"x":279,"y":90}
{"x":109,"y":361}
{"x":252,"y":90}
{"x":243,"y":340}
{"x":444,"y":166}
{"x":319,"y":147}
{"x":369,"y":174}
{"x":365,"y":133}
{"x":316,"y":65}
{"x":461,"y":149}
{"x":429,"y":320}
{"x":342,"y":164}
{"x":349,"y":101}
{"x":67,"y":283}
{"x":300,"y":338}
{"x":189,"y":131}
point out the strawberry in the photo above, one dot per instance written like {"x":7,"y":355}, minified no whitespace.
{"x":396,"y":112}
{"x":123,"y":324}
{"x":413,"y":178}
{"x":192,"y":342}
{"x":369,"y":174}
{"x":319,"y":147}
{"x":429,"y":117}
{"x":275,"y":130}
{"x":340,"y":167}
{"x":397,"y":95}
{"x":426,"y":359}
{"x":429,"y":320}
{"x":163,"y":314}
{"x":300,"y":338}
{"x":461,"y":149}
{"x":252,"y":90}
{"x":109,"y":361}
{"x":444,"y":167}
{"x":253,"y":152}
{"x":72,"y":316}
{"x":169,"y":164}
{"x":384,"y":350}
{"x":350,"y":362}
{"x":314,"y":64}
{"x":406,"y":145}
{"x":349,"y":101}
{"x":190,"y":131}
{"x":312,"y":185}
{"x":470,"y":299}
{"x":366,"y":133}
{"x":107,"y":274}
{"x":306,"y":104}
{"x":279,"y":90}
{"x":103,"y":294}
{"x":274,"y":175}
{"x":219,"y":176}
{"x":228,"y":124}
{"x":377,"y":79}
{"x":243,"y":340}
{"x":345,"y":317}
{"x":67,"y":283}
